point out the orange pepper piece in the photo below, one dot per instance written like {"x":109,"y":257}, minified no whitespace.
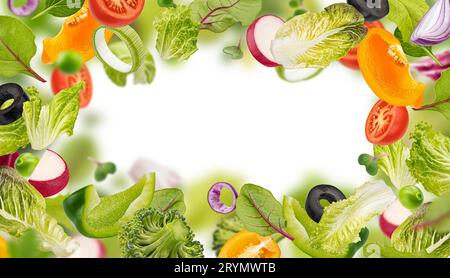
{"x":76,"y":35}
{"x":250,"y":245}
{"x":386,"y":69}
{"x":3,"y":248}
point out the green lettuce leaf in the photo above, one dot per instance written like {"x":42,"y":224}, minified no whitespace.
{"x":169,"y":199}
{"x":219,"y":15}
{"x":420,"y":242}
{"x":342,"y":221}
{"x":407,"y":14}
{"x":46,"y":122}
{"x":13,"y":137}
{"x":177,"y":34}
{"x":429,"y":160}
{"x":315,"y":40}
{"x":22,"y":208}
{"x":438,"y":214}
{"x":442,"y":101}
{"x":394,"y":163}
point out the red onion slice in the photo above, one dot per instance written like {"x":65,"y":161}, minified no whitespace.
{"x":430,"y":68}
{"x":434,"y":28}
{"x":25,"y":10}
{"x":214,"y":198}
{"x":9,"y":160}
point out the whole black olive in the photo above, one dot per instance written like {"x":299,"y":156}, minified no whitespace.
{"x":318,"y":193}
{"x":13,"y":112}
{"x":371,"y":9}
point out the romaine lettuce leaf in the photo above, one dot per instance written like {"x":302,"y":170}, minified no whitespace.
{"x":177,"y":34}
{"x":420,"y":242}
{"x":342,"y":221}
{"x":13,"y":137}
{"x":394,"y":164}
{"x":22,"y":208}
{"x":314,"y":40}
{"x":429,"y":160}
{"x":46,"y":122}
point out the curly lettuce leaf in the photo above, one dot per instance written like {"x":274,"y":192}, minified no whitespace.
{"x":315,"y":40}
{"x":22,"y":208}
{"x":219,"y":15}
{"x":429,"y":160}
{"x":393,"y":163}
{"x":177,"y":34}
{"x":46,"y":122}
{"x":420,"y":242}
{"x":342,"y":221}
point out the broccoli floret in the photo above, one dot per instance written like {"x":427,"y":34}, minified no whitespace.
{"x":226,"y":228}
{"x":155,"y":234}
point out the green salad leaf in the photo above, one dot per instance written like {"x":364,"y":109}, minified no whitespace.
{"x":315,"y":40}
{"x":260,"y":211}
{"x":406,"y":14}
{"x":219,"y":15}
{"x":23,"y":208}
{"x":442,"y":89}
{"x":177,"y":34}
{"x":169,"y":199}
{"x":61,"y":8}
{"x":234,"y":52}
{"x":438,"y":214}
{"x":342,"y":221}
{"x":392,"y":162}
{"x":420,"y":242}
{"x":144,"y":75}
{"x":415,"y":50}
{"x":13,"y":137}
{"x":46,"y":122}
{"x":17,"y":48}
{"x":27,"y":246}
{"x":429,"y":160}
{"x":100,"y":217}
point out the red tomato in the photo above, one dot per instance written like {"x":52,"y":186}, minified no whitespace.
{"x":61,"y":81}
{"x":351,"y":59}
{"x":116,"y":13}
{"x":386,"y":124}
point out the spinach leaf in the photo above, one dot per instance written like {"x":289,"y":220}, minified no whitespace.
{"x":169,"y":199}
{"x":438,"y":214}
{"x":260,"y":211}
{"x":234,"y":52}
{"x":407,"y":14}
{"x":442,"y":101}
{"x":17,"y":48}
{"x":218,"y":15}
{"x":415,"y":50}
{"x":61,"y":8}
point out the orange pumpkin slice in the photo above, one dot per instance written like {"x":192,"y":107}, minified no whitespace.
{"x":386,"y":69}
{"x":76,"y":35}
{"x":250,"y":245}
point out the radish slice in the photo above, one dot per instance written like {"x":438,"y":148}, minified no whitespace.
{"x":89,"y":248}
{"x":9,"y":160}
{"x":260,"y":36}
{"x":393,"y":217}
{"x":51,"y":175}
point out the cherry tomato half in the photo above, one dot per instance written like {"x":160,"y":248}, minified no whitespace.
{"x":61,"y":81}
{"x":386,"y":123}
{"x":351,"y":59}
{"x":116,"y":13}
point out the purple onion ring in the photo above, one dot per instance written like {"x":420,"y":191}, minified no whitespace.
{"x":434,"y":28}
{"x":214,"y":198}
{"x":25,"y":10}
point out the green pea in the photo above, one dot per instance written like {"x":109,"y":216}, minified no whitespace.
{"x":109,"y":167}
{"x":100,"y":174}
{"x":69,"y":62}
{"x":365,"y":159}
{"x":411,"y":197}
{"x":294,"y":3}
{"x":372,"y":168}
{"x":26,"y":163}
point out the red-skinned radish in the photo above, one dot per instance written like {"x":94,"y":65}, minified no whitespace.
{"x":89,"y":248}
{"x":51,"y":175}
{"x":393,"y":217}
{"x":9,"y":160}
{"x":260,"y":35}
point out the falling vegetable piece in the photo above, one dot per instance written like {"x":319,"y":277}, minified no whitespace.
{"x":69,"y":62}
{"x":434,"y":28}
{"x":26,"y":163}
{"x":411,"y":196}
{"x":9,"y":160}
{"x":3,"y":248}
{"x":214,"y":198}
{"x":61,"y":81}
{"x":28,"y":8}
{"x":75,"y":35}
{"x":321,"y":192}
{"x":116,"y":13}
{"x":10,"y":112}
{"x":386,"y":69}
{"x":371,"y":10}
{"x":103,"y":169}
{"x":131,"y":39}
{"x":430,"y":68}
{"x":250,"y":245}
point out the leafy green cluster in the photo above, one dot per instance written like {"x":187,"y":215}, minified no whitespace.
{"x":226,"y":228}
{"x":155,"y":234}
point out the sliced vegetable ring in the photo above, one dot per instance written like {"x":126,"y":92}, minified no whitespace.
{"x":13,"y":111}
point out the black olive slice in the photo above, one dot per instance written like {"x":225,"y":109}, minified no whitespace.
{"x":14,"y":111}
{"x":318,"y":193}
{"x":371,"y":9}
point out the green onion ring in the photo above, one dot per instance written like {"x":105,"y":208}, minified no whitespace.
{"x":131,"y":39}
{"x":294,"y":76}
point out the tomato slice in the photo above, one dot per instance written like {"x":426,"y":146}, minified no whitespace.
{"x":250,"y":245}
{"x":386,"y":124}
{"x":61,"y":81}
{"x":351,"y":59}
{"x":116,"y":13}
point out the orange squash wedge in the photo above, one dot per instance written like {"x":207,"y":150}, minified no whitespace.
{"x":386,"y":69}
{"x":76,"y":35}
{"x":250,"y":245}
